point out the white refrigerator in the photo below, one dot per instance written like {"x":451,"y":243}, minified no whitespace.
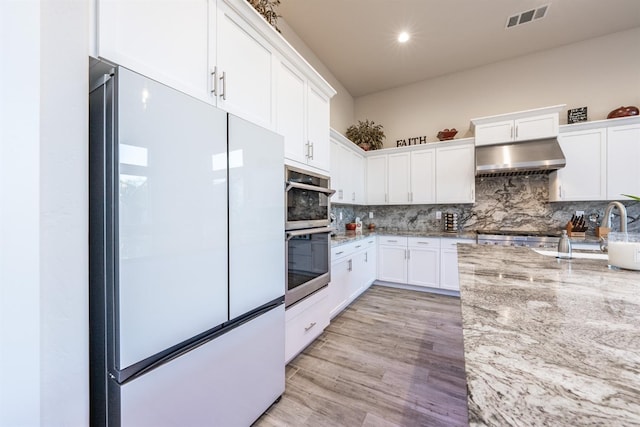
{"x":186,"y":259}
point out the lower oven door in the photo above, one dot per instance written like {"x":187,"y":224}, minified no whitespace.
{"x":308,"y":263}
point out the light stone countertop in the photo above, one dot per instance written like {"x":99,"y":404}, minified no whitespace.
{"x":549,"y":342}
{"x":351,"y":236}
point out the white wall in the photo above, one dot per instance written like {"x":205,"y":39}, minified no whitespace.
{"x":601,"y":73}
{"x":64,"y":92}
{"x":43,"y":213}
{"x":342,"y":104}
{"x":19,"y":214}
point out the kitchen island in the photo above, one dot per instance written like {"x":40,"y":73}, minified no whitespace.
{"x":549,"y":342}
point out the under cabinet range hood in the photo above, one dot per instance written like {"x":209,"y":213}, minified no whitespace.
{"x":540,"y":156}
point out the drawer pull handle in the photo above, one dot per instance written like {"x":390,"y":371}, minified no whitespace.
{"x":311,"y":325}
{"x":423,"y":243}
{"x":338,"y":253}
{"x":392,"y":241}
{"x":358,"y":246}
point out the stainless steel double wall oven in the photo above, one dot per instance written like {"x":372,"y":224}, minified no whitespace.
{"x":308,"y":234}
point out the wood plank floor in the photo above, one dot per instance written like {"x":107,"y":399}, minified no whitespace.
{"x":392,"y":358}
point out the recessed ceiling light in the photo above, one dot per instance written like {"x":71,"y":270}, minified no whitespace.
{"x":403,"y":37}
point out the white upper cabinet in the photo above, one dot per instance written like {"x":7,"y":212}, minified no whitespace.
{"x":377,"y":179}
{"x":224,"y":53}
{"x":398,"y":181}
{"x":623,"y":161}
{"x":585,"y":175}
{"x":153,"y":39}
{"x":443,"y":174}
{"x":317,"y":142}
{"x":603,"y":161}
{"x":302,"y":113}
{"x":347,"y":171}
{"x":518,"y":126}
{"x":412,"y":177}
{"x":290,"y":112}
{"x":243,"y":71}
{"x":423,"y":176}
{"x":455,"y":173}
{"x":357,"y":166}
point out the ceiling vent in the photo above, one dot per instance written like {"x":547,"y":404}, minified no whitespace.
{"x":527,"y":16}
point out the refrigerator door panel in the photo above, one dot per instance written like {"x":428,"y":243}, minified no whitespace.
{"x":256,"y":216}
{"x":227,"y":382}
{"x":172,"y":218}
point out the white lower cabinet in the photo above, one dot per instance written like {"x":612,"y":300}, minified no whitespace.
{"x":449,"y":278}
{"x":392,"y":259}
{"x":420,"y":261}
{"x":304,"y":322}
{"x":353,"y":269}
{"x":423,"y":263}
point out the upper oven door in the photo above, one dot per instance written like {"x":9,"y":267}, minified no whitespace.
{"x":308,"y":200}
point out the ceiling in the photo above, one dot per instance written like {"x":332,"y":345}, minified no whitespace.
{"x":356,"y":39}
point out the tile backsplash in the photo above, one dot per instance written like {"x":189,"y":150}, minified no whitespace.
{"x":507,"y":203}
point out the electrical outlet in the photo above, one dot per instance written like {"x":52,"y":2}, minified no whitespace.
{"x":579,"y":213}
{"x":340,"y":215}
{"x":438,"y":215}
{"x":370,"y":215}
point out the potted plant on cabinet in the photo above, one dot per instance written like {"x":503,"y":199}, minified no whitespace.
{"x":367,"y":135}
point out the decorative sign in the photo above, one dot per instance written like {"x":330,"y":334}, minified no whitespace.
{"x":411,"y":141}
{"x":576,"y":115}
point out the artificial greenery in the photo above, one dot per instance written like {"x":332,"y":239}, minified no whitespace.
{"x":267,"y":8}
{"x":366,"y":134}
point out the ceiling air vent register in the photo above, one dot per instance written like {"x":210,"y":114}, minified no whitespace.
{"x":527,"y":16}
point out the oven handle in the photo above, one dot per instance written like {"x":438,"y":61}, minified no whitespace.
{"x":294,"y":233}
{"x":291,"y":184}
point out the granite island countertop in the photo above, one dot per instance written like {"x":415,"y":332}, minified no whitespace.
{"x":350,"y":236}
{"x":549,"y":342}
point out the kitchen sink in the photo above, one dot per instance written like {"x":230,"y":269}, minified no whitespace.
{"x":575,"y":254}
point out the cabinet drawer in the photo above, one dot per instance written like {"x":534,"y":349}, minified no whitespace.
{"x":424,"y":242}
{"x":305,"y":321}
{"x":447,"y":243}
{"x":342,"y":251}
{"x":392,"y":240}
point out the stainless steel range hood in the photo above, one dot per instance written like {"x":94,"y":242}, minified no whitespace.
{"x":538,"y":156}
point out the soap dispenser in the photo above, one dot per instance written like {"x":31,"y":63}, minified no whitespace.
{"x":564,"y":246}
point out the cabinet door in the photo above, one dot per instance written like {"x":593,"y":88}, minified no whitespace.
{"x":317,"y":129}
{"x":245,"y":71}
{"x":338,"y":287}
{"x":357,"y":178}
{"x":290,"y":111}
{"x":423,"y":176}
{"x":449,"y":269}
{"x":455,"y":174}
{"x":377,"y":180}
{"x":493,"y":133}
{"x":449,"y":278}
{"x":371,"y":264}
{"x":585,"y":175}
{"x":154,"y":39}
{"x":623,"y":161}
{"x":337,"y":168}
{"x":398,"y":178}
{"x":543,"y":126}
{"x":424,"y":266}
{"x":358,"y":279}
{"x":392,"y":263}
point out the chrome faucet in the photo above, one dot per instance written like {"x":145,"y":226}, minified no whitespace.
{"x":606,"y":221}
